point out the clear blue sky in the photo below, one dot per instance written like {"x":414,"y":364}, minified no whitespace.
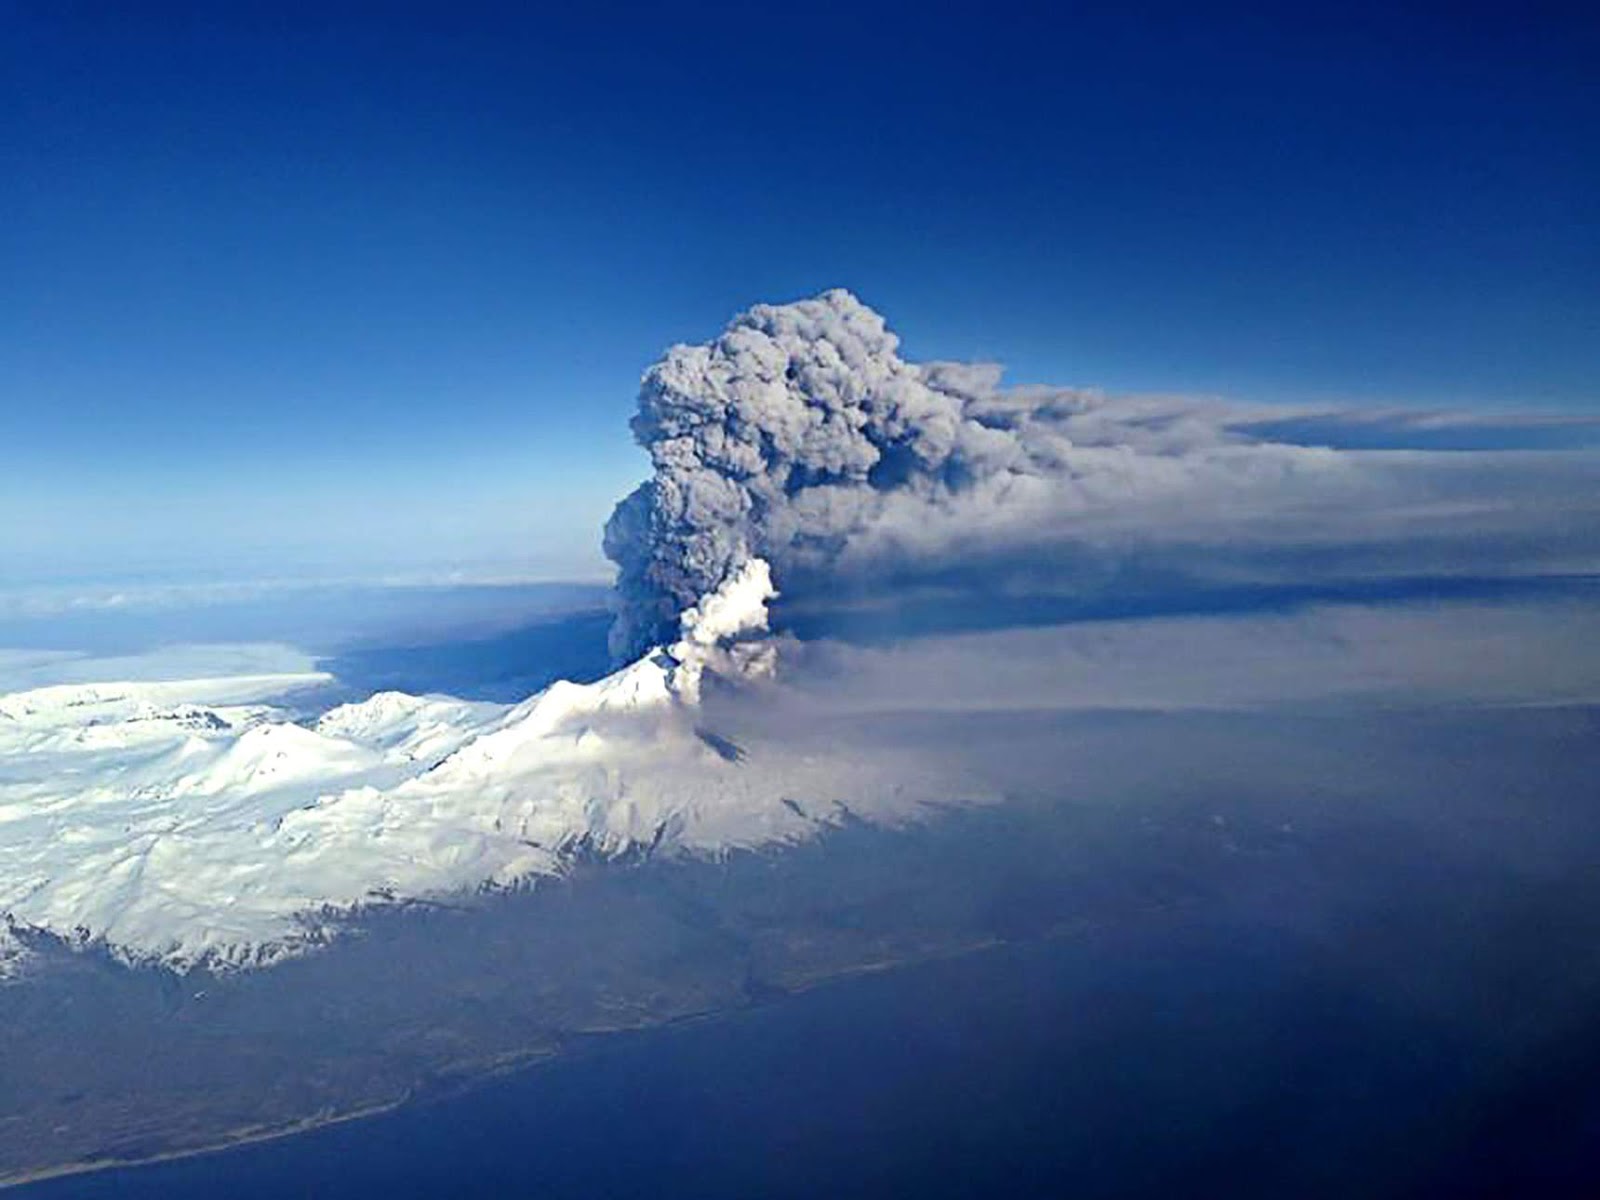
{"x":285,"y":290}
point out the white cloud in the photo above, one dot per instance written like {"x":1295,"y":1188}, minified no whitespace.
{"x":21,"y":670}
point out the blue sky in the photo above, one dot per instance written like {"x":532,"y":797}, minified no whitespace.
{"x":285,"y":292}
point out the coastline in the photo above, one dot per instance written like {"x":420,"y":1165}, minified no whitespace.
{"x":252,"y":1137}
{"x":469,"y":1077}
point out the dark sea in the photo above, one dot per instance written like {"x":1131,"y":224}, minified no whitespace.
{"x":1183,"y":1057}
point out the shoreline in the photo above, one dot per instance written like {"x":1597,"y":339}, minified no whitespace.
{"x":253,"y":1137}
{"x":472,"y":1078}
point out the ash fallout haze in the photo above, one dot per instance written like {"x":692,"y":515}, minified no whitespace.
{"x":978,"y":599}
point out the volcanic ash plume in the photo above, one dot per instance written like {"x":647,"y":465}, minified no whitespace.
{"x":800,"y":436}
{"x":785,"y":438}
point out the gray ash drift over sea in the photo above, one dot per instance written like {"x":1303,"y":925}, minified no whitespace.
{"x":800,"y":436}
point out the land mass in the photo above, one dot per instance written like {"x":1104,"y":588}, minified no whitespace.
{"x":1394,"y":868}
{"x":109,"y":1065}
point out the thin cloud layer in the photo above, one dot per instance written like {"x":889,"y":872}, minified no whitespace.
{"x":1346,"y":657}
{"x":801,"y":436}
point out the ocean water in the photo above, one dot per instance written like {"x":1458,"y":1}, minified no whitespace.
{"x":1181,"y":1056}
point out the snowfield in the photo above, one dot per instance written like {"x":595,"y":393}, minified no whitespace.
{"x":195,"y":823}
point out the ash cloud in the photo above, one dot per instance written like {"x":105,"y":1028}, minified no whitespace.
{"x":783,"y":437}
{"x":801,"y":436}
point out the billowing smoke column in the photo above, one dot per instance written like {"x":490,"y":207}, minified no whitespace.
{"x":801,"y":437}
{"x":783,"y":438}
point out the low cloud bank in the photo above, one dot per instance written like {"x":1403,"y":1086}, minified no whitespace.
{"x":1335,"y":658}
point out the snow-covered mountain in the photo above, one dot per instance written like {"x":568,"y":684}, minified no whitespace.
{"x":193,"y":822}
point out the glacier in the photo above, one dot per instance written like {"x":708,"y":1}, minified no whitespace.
{"x":197,"y":823}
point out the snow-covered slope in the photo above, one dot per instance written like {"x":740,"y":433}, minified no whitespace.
{"x":193,"y":823}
